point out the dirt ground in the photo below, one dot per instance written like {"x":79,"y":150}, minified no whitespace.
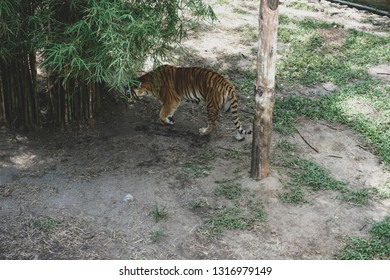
{"x":93,"y":193}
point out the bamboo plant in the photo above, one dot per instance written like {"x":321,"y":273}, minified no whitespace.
{"x":83,"y":47}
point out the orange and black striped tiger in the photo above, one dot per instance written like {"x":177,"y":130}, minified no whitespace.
{"x":171,"y":84}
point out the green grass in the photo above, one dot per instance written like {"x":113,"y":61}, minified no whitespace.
{"x":223,"y":2}
{"x":311,"y":60}
{"x":384,"y":192}
{"x":194,"y":204}
{"x":200,"y":164}
{"x":230,"y":190}
{"x":301,"y":6}
{"x":207,"y":156}
{"x":233,"y":154}
{"x":375,"y":248}
{"x":294,"y":195}
{"x":358,"y":197}
{"x":157,"y":235}
{"x":307,"y":173}
{"x":240,"y":11}
{"x":242,"y":212}
{"x":248,"y":33}
{"x":303,"y":173}
{"x":198,"y":170}
{"x":337,"y":108}
{"x":46,"y":224}
{"x":237,"y":217}
{"x":158,"y":213}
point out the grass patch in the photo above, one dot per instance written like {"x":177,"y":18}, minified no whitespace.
{"x":248,"y":32}
{"x":223,"y":2}
{"x":337,"y":108}
{"x":301,"y":6}
{"x":240,"y":11}
{"x":46,"y":224}
{"x":233,"y":154}
{"x":384,"y":192}
{"x":313,"y":58}
{"x":194,"y":204}
{"x":377,"y":247}
{"x":358,"y":197}
{"x":230,"y":190}
{"x":207,"y":156}
{"x":157,"y":235}
{"x":200,"y":165}
{"x":159,"y":214}
{"x":245,"y":213}
{"x":294,"y":195}
{"x":198,"y":170}
{"x":305,"y":173}
{"x":237,"y":217}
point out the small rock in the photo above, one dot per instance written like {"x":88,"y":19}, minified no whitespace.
{"x":128,"y":198}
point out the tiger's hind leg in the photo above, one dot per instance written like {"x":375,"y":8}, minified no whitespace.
{"x":212,"y":114}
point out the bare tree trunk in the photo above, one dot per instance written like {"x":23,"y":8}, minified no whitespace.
{"x":265,"y":88}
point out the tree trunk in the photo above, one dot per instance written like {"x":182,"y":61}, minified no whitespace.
{"x":265,"y":88}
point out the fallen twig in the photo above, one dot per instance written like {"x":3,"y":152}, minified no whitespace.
{"x":361,"y":147}
{"x":303,"y":138}
{"x":335,"y":156}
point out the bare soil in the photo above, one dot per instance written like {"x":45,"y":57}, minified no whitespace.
{"x":65,"y":195}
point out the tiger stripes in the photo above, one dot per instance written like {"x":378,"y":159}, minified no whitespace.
{"x":171,"y":84}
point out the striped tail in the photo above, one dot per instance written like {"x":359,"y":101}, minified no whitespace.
{"x":240,"y":136}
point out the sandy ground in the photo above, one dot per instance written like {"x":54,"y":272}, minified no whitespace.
{"x":92,"y":194}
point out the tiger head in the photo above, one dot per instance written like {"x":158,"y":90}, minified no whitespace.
{"x":142,"y":87}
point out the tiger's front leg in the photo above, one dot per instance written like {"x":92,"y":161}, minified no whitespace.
{"x":166,"y":113}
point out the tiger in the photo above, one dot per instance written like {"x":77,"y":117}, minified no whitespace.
{"x":170,"y":84}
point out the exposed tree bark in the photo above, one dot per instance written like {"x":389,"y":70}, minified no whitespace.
{"x":265,"y":88}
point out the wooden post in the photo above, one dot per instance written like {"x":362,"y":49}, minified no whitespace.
{"x":264,"y":88}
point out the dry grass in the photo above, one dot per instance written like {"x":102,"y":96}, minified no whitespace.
{"x":65,"y":237}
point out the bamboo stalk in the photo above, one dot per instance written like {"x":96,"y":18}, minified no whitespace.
{"x":90,"y":100}
{"x":3,"y":118}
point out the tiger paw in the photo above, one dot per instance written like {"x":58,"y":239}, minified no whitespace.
{"x":168,"y":120}
{"x":240,"y":136}
{"x":203,"y":131}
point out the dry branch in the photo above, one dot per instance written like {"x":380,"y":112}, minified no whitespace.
{"x":307,"y":142}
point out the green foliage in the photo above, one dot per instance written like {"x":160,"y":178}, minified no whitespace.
{"x":110,"y":39}
{"x":376,"y":247}
{"x":84,"y":45}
